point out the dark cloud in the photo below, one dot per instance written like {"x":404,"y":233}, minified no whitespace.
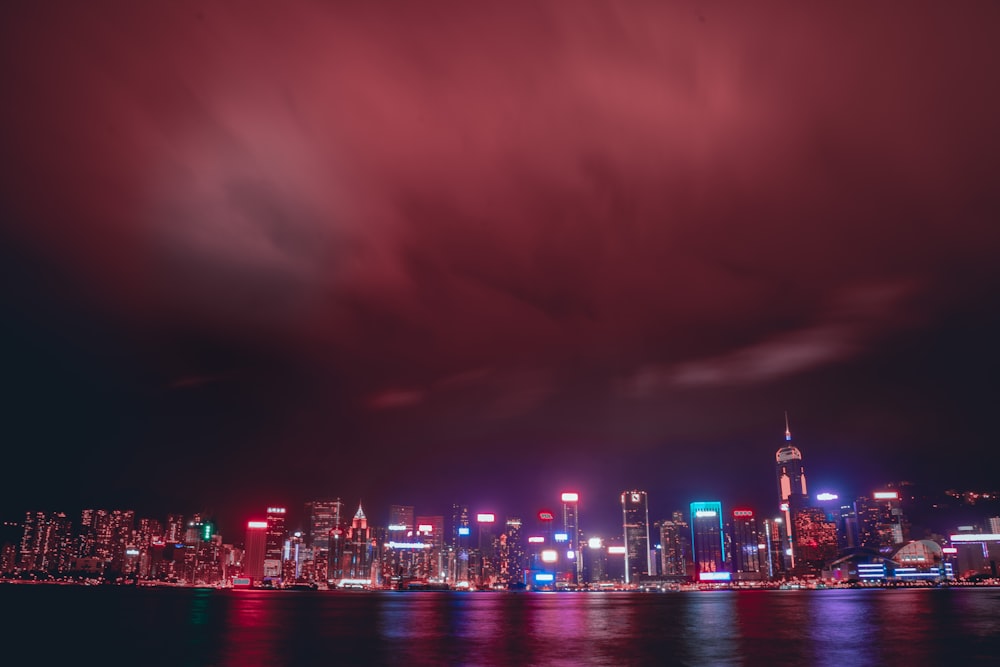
{"x":372,"y":226}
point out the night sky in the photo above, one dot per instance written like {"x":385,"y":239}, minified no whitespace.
{"x":419,"y":252}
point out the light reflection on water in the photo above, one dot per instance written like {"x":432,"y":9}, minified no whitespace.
{"x":178,"y":627}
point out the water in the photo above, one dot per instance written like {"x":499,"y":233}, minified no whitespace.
{"x":64,"y":625}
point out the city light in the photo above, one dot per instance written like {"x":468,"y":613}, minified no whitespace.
{"x":949,"y":550}
{"x":705,"y":513}
{"x":396,"y":527}
{"x":570,"y":497}
{"x":409,"y":545}
{"x":595,"y":543}
{"x":742,"y":513}
{"x":714,"y":576}
{"x":826,"y":496}
{"x":536,"y":539}
{"x":546,"y":515}
{"x":544,"y":577}
{"x":975,"y":537}
{"x":570,"y":555}
{"x":275,"y":510}
{"x":549,"y":556}
{"x":425,"y":528}
{"x":886,"y":495}
{"x":464,"y":531}
{"x":616,"y":550}
{"x":561,"y":537}
{"x":486,"y":517}
{"x":256,"y":524}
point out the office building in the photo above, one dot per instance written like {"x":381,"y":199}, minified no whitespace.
{"x":708,"y":541}
{"x":635,"y":528}
{"x":746,"y":546}
{"x":792,"y":492}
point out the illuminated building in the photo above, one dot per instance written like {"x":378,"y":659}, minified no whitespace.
{"x":461,"y":537}
{"x":255,"y":550}
{"x":430,"y":530}
{"x":675,"y":547}
{"x":275,"y":532}
{"x":597,"y":560}
{"x":358,"y":560}
{"x":975,"y":553}
{"x":746,"y":546}
{"x":880,"y":520}
{"x":400,"y":520}
{"x":635,"y":528}
{"x":175,"y":528}
{"x":707,"y":541}
{"x":47,"y":542}
{"x":484,"y":563}
{"x":815,"y":539}
{"x":512,"y":554}
{"x":774,"y":540}
{"x":791,"y":485}
{"x":571,"y":526}
{"x":324,"y":516}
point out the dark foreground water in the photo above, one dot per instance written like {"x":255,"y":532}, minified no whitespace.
{"x":69,"y":625}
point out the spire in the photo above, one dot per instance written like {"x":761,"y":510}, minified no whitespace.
{"x":360,"y":514}
{"x":788,"y":432}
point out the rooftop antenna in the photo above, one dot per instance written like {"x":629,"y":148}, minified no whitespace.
{"x":788,"y":432}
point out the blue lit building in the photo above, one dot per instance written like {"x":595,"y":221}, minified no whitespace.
{"x":708,"y":541}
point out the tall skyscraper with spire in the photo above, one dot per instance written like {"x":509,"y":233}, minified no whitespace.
{"x":791,"y":485}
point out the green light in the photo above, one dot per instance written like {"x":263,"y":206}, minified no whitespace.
{"x":208,"y":532}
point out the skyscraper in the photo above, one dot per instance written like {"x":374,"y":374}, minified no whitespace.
{"x":791,"y":485}
{"x":675,"y":546}
{"x":571,"y":526}
{"x":881,"y":523}
{"x":256,"y":549}
{"x":746,"y":545}
{"x":275,"y":532}
{"x":815,"y":538}
{"x":708,"y":541}
{"x":635,"y":528}
{"x":324,"y":516}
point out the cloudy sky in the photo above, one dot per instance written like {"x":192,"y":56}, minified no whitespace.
{"x":415,"y":252}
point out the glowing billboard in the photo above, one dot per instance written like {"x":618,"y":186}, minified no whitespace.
{"x":550,"y":556}
{"x":886,"y":495}
{"x":594,"y":543}
{"x":714,"y":576}
{"x":570,"y":497}
{"x":536,"y":539}
{"x":256,"y":524}
{"x":826,"y":496}
{"x":544,"y":577}
{"x":616,"y":550}
{"x":561,"y":537}
{"x":463,"y":530}
{"x":546,"y":515}
{"x":486,"y":517}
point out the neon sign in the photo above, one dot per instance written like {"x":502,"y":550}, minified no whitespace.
{"x":570,"y":497}
{"x":256,"y":524}
{"x":486,"y":517}
{"x":546,"y":515}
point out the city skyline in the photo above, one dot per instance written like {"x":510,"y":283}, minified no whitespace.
{"x":284,"y":252}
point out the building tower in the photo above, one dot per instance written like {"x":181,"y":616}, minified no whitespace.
{"x":708,"y":541}
{"x":791,"y":485}
{"x":571,"y":526}
{"x":256,"y":549}
{"x":635,"y":527}
{"x":746,"y":551}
